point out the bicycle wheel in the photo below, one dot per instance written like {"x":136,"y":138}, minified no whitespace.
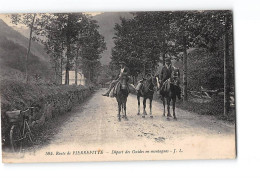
{"x":16,"y":139}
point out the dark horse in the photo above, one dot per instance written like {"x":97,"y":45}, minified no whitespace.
{"x":169,"y":92}
{"x":146,"y":91}
{"x":122,"y":92}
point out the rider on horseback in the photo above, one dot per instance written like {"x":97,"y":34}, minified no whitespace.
{"x":124,"y":70}
{"x":166,"y":73}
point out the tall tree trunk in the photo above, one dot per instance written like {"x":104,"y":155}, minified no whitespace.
{"x":185,"y":69}
{"x":144,"y":69}
{"x":76,"y":68}
{"x":163,"y":58}
{"x":226,"y":70}
{"x":29,"y":48}
{"x":76,"y":74}
{"x":89,"y":73}
{"x":56,"y":71}
{"x":61,"y":75}
{"x":67,"y":68}
{"x":67,"y":76}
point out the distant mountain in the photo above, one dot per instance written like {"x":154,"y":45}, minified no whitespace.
{"x":106,"y":22}
{"x":11,"y":34}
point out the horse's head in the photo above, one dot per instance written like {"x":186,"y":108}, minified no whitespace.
{"x":151,"y":82}
{"x":174,"y":76}
{"x":123,"y":82}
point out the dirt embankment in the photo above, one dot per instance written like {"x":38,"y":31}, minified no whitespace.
{"x":52,"y":100}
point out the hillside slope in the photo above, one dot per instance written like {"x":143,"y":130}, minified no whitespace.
{"x":11,"y":34}
{"x":13,"y":49}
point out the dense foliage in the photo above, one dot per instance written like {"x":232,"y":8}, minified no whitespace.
{"x":146,"y":40}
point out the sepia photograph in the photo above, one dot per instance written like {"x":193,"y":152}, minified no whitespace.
{"x":117,"y":86}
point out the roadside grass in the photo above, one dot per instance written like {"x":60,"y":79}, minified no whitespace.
{"x":16,"y":94}
{"x":214,"y":107}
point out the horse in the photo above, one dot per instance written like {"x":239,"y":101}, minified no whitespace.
{"x":122,"y":92}
{"x":169,"y":92}
{"x":146,"y":91}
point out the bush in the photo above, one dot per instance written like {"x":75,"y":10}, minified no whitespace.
{"x":213,"y":107}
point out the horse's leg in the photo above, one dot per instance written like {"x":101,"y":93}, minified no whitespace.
{"x":138,"y":99}
{"x":168,"y":108}
{"x":173,"y":107}
{"x":125,"y":110}
{"x":119,"y":110}
{"x":163,"y":99}
{"x":151,"y":113}
{"x":144,"y":106}
{"x":122,"y":109}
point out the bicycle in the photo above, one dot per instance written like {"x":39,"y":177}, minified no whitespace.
{"x":20,"y":128}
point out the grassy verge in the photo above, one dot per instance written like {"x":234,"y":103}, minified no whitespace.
{"x":214,"y":107}
{"x":53,"y":100}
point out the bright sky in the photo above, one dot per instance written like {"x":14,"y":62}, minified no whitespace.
{"x":7,"y":20}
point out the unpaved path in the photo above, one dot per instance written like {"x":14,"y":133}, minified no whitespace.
{"x":94,"y":127}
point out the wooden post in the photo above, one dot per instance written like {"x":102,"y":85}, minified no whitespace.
{"x":185,"y":68}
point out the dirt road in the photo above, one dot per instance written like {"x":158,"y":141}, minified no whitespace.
{"x":94,"y":133}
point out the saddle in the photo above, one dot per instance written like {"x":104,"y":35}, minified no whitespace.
{"x":166,"y":86}
{"x":119,"y":84}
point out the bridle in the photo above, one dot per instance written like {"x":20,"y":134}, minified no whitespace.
{"x":173,"y":78}
{"x":151,"y":78}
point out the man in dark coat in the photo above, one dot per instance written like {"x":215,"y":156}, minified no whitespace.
{"x":166,"y":73}
{"x":124,"y":71}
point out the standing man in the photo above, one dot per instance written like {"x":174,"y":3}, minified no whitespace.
{"x":166,"y":73}
{"x":124,"y":70}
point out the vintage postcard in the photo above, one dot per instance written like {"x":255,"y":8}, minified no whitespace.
{"x":117,"y":86}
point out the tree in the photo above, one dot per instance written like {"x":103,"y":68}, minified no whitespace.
{"x":74,"y":36}
{"x":126,"y":48}
{"x":183,"y":31}
{"x":142,"y":42}
{"x":53,"y":39}
{"x":61,"y":31}
{"x":91,"y":45}
{"x":217,"y":26}
{"x":150,"y":36}
{"x":29,"y":21}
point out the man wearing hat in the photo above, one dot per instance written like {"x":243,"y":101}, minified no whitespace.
{"x":124,"y":70}
{"x":166,"y":72}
